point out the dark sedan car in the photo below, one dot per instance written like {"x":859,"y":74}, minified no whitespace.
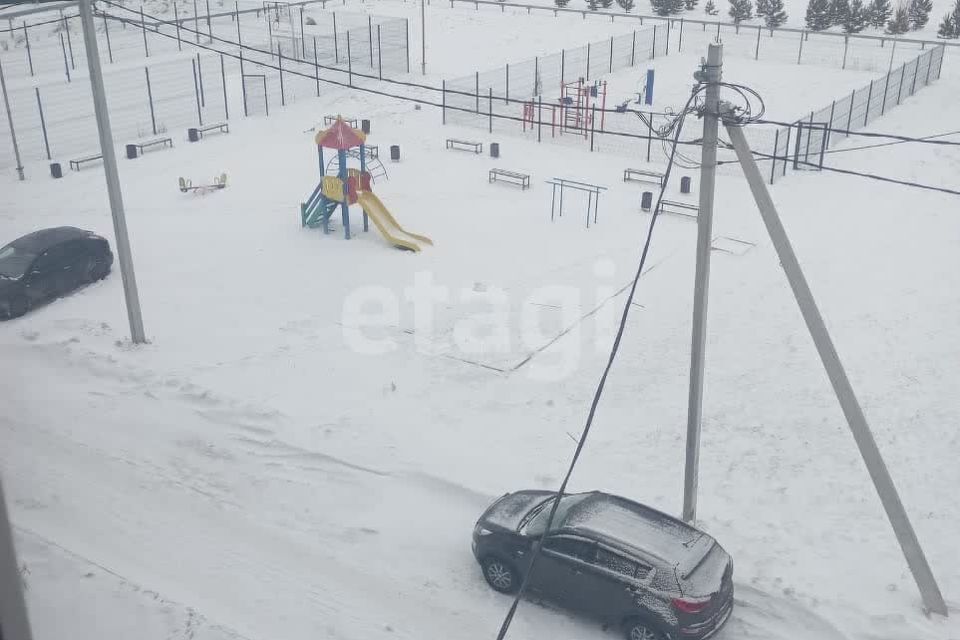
{"x":47,"y":264}
{"x":620,"y":561}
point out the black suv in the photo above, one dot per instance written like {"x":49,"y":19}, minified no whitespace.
{"x":618,"y":560}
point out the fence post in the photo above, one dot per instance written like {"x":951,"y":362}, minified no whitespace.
{"x":916,"y":71}
{"x":203,"y":96}
{"x":718,"y":30}
{"x":653,"y":49}
{"x":349,"y":62}
{"x":828,"y":132}
{"x":266,"y":96}
{"x":588,"y":61}
{"x":223,"y":81}
{"x":153,"y":115}
{"x":593,"y":129}
{"x":43,"y":123}
{"x":611,"y":55}
{"x":633,"y":50}
{"x":800,"y":52}
{"x":786,"y":152}
{"x":866,"y":114}
{"x":649,"y":135}
{"x":66,"y":64}
{"x":370,"y":36}
{"x":407,"y":41}
{"x":756,"y":55}
{"x":666,"y":46}
{"x":903,"y":73}
{"x":796,"y":150}
{"x":943,"y":53}
{"x":563,"y":61}
{"x":773,"y":161}
{"x":196,"y":20}
{"x":379,"y":54}
{"x":243,"y":78}
{"x":886,"y":87}
{"x":853,"y":96}
{"x":336,"y":45}
{"x":196,"y":90}
{"x":806,"y":151}
{"x":443,"y":105}
{"x":209,"y":24}
{"x":106,"y":33}
{"x":506,"y":98}
{"x":929,"y":67}
{"x":680,"y":38}
{"x":143,"y":28}
{"x":26,"y":37}
{"x":540,"y":118}
{"x":893,"y":50}
{"x":316,"y":66}
{"x":66,"y":25}
{"x":476,"y":91}
{"x":490,"y":106}
{"x":283,"y":97}
{"x":13,"y":131}
{"x":846,"y":45}
{"x":303,"y":37}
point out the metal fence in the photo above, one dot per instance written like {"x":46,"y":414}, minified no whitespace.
{"x":483,"y":101}
{"x":804,"y":144}
{"x":235,"y":65}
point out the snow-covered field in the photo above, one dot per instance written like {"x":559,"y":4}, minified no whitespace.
{"x":302,"y":449}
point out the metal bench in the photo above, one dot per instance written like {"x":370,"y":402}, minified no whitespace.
{"x":465,"y":145}
{"x":642,"y":175}
{"x":679,"y":208}
{"x":220,"y":127}
{"x":76,"y":162}
{"x":513,"y":177}
{"x":143,"y":145}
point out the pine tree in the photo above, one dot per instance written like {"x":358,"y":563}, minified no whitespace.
{"x":690,"y":4}
{"x":878,"y":13}
{"x":740,"y":10}
{"x":626,"y":5}
{"x":956,"y":18}
{"x":561,"y":3}
{"x":818,"y":15}
{"x":763,"y":8}
{"x":839,"y":9}
{"x":593,"y":5}
{"x":776,"y":16}
{"x":919,"y":13}
{"x":900,"y":22}
{"x":667,"y":7}
{"x":856,"y":18}
{"x":947,"y":27}
{"x":606,"y":4}
{"x":710,"y":9}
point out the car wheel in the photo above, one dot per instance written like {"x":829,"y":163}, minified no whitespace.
{"x":500,"y":575}
{"x":640,"y":630}
{"x":96,"y":270}
{"x":18,"y":307}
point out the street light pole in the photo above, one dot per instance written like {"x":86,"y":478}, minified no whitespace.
{"x":113,"y":178}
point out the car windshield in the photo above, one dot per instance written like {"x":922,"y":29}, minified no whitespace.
{"x":14,"y":262}
{"x":535,"y":523}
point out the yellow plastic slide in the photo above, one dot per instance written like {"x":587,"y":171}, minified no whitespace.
{"x":388,"y":225}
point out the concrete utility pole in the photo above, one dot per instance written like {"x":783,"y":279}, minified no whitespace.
{"x":14,"y":623}
{"x":710,"y":75}
{"x":113,"y":178}
{"x":917,"y":561}
{"x":423,"y":37}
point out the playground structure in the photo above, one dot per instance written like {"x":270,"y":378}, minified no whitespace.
{"x":218,"y":182}
{"x":576,"y":109}
{"x":351,"y":186}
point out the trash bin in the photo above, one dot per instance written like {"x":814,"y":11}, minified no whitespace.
{"x":646,"y":200}
{"x":193,"y":135}
{"x":395,"y":152}
{"x":131,"y":152}
{"x":365,"y":126}
{"x":685,"y":184}
{"x":56,"y":171}
{"x":494,"y":149}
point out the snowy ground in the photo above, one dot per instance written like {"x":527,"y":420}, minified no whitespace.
{"x":304,"y":446}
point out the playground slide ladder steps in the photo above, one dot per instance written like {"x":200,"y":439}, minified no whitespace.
{"x":316,"y":211}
